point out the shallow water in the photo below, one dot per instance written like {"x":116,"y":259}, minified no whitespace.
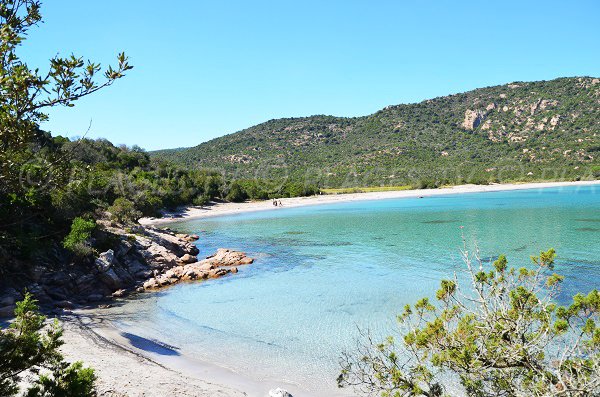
{"x":324,"y":271}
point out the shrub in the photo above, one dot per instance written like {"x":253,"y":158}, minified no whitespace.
{"x":201,"y":200}
{"x":236,"y":193}
{"x":502,"y":335}
{"x":77,"y":241}
{"x":124,"y":211}
{"x":28,"y":345}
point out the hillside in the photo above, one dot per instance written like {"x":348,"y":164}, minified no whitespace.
{"x":520,"y":131}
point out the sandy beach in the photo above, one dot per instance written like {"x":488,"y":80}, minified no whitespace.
{"x":127,"y":365}
{"x":220,"y":209}
{"x":125,"y":371}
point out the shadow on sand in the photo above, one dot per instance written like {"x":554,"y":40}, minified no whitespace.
{"x":150,"y":345}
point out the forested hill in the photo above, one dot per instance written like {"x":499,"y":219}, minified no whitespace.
{"x":519,"y":131}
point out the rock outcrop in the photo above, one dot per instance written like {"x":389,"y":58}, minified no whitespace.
{"x":140,"y":258}
{"x":223,"y":262}
{"x":473,"y":118}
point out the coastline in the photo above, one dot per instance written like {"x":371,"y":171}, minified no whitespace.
{"x":222,"y":209}
{"x":127,"y":365}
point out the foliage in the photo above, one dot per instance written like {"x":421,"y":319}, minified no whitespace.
{"x":545,"y":130}
{"x":503,"y":335}
{"x":67,"y":380}
{"x":31,"y":162}
{"x":236,"y":193}
{"x":27,"y":344}
{"x":123,"y":210}
{"x":78,"y":238}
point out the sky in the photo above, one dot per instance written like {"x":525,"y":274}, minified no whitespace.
{"x":203,"y":69}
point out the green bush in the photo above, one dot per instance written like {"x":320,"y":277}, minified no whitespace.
{"x":124,"y":211}
{"x":236,"y":193}
{"x":30,"y":345}
{"x":201,"y":200}
{"x":77,"y":241}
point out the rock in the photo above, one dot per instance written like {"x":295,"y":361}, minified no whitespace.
{"x":159,"y":256}
{"x":144,"y":274}
{"x":124,"y":248}
{"x":205,"y":266}
{"x":151,"y":284}
{"x":94,"y":298}
{"x":37,"y":272}
{"x":65,"y":304}
{"x":234,"y":270}
{"x":86,"y":279}
{"x":218,"y":272}
{"x":56,"y":294}
{"x":187,"y":258}
{"x":119,"y":293}
{"x":105,"y":260}
{"x":227,"y":257}
{"x":194,"y":237}
{"x":7,"y":311}
{"x":279,"y":392}
{"x":7,"y":300}
{"x":473,"y":118}
{"x":111,"y":279}
{"x":57,"y":278}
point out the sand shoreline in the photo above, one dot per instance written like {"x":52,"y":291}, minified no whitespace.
{"x":127,"y":365}
{"x":222,"y":209}
{"x":127,"y":369}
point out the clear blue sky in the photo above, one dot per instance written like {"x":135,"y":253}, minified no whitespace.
{"x":208,"y":68}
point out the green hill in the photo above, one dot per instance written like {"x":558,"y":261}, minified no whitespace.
{"x":546,"y":130}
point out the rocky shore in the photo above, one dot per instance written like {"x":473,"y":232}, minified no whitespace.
{"x":142,"y":258}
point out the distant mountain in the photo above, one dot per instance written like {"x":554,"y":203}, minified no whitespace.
{"x":520,"y":131}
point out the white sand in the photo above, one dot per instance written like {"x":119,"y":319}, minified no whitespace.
{"x":219,"y":209}
{"x":126,"y":369}
{"x":122,"y":371}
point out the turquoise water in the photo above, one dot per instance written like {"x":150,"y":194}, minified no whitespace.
{"x":324,"y":271}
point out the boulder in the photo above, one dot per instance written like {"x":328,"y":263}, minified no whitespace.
{"x":105,"y":260}
{"x":150,"y":283}
{"x":279,"y":392}
{"x":187,"y":258}
{"x":7,"y":311}
{"x":65,"y":304}
{"x":57,"y":294}
{"x":7,"y":300}
{"x":111,"y":279}
{"x":227,"y":257}
{"x":119,"y":293}
{"x":94,"y":298}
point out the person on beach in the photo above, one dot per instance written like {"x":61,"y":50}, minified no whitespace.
{"x":280,"y":203}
